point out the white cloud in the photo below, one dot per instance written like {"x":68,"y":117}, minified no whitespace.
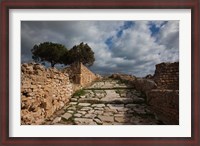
{"x":169,"y":35}
{"x":137,"y":44}
{"x":134,"y":52}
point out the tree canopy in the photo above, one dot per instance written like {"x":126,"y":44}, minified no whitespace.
{"x":50,"y":52}
{"x":80,"y":53}
{"x":58,"y":54}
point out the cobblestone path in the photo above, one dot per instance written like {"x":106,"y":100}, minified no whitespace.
{"x":106,"y":102}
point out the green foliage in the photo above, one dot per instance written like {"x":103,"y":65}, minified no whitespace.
{"x":58,"y":54}
{"x":79,"y":93}
{"x":50,"y":52}
{"x":80,"y":53}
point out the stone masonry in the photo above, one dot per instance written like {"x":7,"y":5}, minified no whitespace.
{"x":165,"y":103}
{"x":43,"y":91}
{"x":167,"y":75}
{"x":79,"y":74}
{"x":161,"y":91}
{"x":165,"y":99}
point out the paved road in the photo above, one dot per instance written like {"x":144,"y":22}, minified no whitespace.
{"x":106,"y":102}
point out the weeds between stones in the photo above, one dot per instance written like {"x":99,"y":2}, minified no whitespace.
{"x":79,"y":93}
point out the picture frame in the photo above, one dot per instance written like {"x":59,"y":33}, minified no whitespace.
{"x":7,"y":5}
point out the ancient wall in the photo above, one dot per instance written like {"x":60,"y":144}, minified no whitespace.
{"x":165,"y":103}
{"x":161,"y":90}
{"x":79,"y":74}
{"x":165,"y":99}
{"x":74,"y":73}
{"x":43,"y":91}
{"x":167,"y":75}
{"x":86,"y":76}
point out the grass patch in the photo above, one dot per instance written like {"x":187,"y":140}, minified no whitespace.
{"x":79,"y":93}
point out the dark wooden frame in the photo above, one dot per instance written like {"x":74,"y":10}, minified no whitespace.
{"x":101,"y":4}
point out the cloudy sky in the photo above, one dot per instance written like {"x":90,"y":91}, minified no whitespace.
{"x":131,"y":47}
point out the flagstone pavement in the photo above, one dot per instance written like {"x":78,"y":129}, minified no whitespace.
{"x":106,"y":102}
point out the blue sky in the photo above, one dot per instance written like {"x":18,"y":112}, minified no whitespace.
{"x":119,"y":33}
{"x":132,"y":47}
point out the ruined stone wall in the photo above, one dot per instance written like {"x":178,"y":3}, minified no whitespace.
{"x":161,"y":90}
{"x":86,"y":76}
{"x":74,"y":73}
{"x":79,"y":74}
{"x":167,"y":75}
{"x":165,"y":99}
{"x":165,"y":103}
{"x":43,"y":91}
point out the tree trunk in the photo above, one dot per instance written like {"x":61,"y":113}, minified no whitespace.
{"x":52,"y":64}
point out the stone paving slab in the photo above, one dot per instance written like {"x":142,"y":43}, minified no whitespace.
{"x":105,"y":106}
{"x":67,"y":116}
{"x":105,"y":114}
{"x":110,"y":83}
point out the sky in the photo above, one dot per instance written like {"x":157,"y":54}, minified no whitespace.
{"x":131,"y":47}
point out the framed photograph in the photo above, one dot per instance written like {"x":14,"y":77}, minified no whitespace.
{"x":100,"y":72}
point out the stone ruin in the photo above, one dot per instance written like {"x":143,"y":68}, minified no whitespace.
{"x":161,"y":90}
{"x":44,"y":91}
{"x":167,"y":75}
{"x":164,"y":100}
{"x":79,"y":74}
